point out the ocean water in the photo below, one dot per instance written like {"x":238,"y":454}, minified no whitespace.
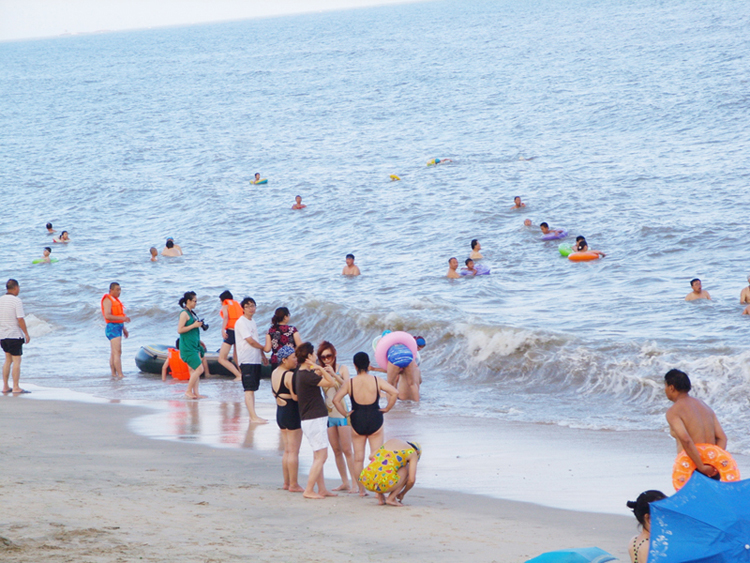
{"x":622,"y":122}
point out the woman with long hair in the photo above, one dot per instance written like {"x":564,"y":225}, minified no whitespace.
{"x":191,"y":351}
{"x":339,"y":431}
{"x":287,"y":416}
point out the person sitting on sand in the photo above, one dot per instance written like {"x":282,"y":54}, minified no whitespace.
{"x":517,"y":203}
{"x":452,"y":269}
{"x":351,"y":269}
{"x":436,"y":161}
{"x":582,"y":246}
{"x":287,"y":416}
{"x":64,"y":237}
{"x":475,"y":248}
{"x":745,"y":293}
{"x":298,"y":203}
{"x":45,"y":259}
{"x":392,"y":471}
{"x":698,"y":291}
{"x":638,"y":548}
{"x":171,"y":249}
{"x":691,"y":421}
{"x":50,"y":230}
{"x":154,"y":253}
{"x":546,"y":230}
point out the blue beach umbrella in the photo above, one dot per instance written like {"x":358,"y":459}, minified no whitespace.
{"x":582,"y":555}
{"x":706,"y":521}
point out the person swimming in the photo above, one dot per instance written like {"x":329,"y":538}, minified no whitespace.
{"x":517,"y":203}
{"x":50,"y":230}
{"x":582,"y":246}
{"x":64,"y":237}
{"x":475,"y":248}
{"x":298,"y":203}
{"x":436,"y":161}
{"x":452,"y":268}
{"x":154,"y":253}
{"x":257,"y":178}
{"x":45,"y":259}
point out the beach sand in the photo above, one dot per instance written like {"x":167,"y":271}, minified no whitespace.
{"x":80,"y":486}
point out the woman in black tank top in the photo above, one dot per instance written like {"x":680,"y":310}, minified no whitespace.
{"x":287,"y":416}
{"x":366,"y":415}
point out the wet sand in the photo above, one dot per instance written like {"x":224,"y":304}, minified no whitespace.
{"x":80,"y":486}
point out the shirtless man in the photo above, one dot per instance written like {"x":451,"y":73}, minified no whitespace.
{"x":452,"y":269}
{"x":298,"y":203}
{"x":154,"y":253}
{"x":475,"y":248}
{"x":691,"y":421}
{"x":745,"y":293}
{"x":171,"y":249}
{"x":517,"y":203}
{"x":527,"y":222}
{"x":698,"y":291}
{"x":45,"y":255}
{"x":50,"y":230}
{"x":351,"y":269}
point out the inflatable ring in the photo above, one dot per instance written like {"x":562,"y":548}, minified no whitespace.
{"x":555,"y":235}
{"x":565,"y":249}
{"x":375,"y":342}
{"x":394,"y":178}
{"x":398,"y":337}
{"x":710,"y":455}
{"x":41,"y":261}
{"x":263,"y":181}
{"x":584,"y":256}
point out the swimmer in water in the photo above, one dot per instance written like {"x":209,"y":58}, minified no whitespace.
{"x":298,"y":203}
{"x":698,"y":291}
{"x":517,"y":203}
{"x":745,"y":293}
{"x":45,"y":256}
{"x":154,"y":253}
{"x":351,"y":269}
{"x":582,"y":246}
{"x":452,"y":269}
{"x":470,"y":269}
{"x":546,"y":230}
{"x":475,"y":248}
{"x":436,"y":161}
{"x":64,"y":237}
{"x":171,"y":249}
{"x":257,"y":178}
{"x":50,"y":230}
{"x":527,"y":222}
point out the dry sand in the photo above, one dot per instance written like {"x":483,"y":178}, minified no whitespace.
{"x":78,"y":486}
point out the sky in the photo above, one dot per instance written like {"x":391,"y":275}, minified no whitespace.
{"x":28,"y":19}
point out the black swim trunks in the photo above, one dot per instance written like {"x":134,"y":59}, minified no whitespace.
{"x":230,"y":337}
{"x":12,"y":346}
{"x":250,"y":376}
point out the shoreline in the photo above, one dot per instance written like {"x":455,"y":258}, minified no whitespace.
{"x":118,"y":495}
{"x":547,"y":465}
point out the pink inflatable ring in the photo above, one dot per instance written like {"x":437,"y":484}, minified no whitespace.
{"x":398,"y":337}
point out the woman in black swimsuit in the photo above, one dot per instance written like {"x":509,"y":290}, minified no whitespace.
{"x":287,"y":416}
{"x":366,"y":415}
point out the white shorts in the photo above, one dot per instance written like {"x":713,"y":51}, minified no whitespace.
{"x":316,"y":432}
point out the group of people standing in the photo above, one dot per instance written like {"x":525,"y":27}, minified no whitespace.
{"x":315,"y":395}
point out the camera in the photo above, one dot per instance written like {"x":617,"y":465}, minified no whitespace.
{"x":204,"y":326}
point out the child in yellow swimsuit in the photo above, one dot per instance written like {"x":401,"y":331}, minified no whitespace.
{"x":381,"y":475}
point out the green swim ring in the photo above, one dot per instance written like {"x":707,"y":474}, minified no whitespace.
{"x":565,"y":249}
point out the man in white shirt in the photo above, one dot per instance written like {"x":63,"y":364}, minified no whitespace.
{"x":250,"y":355}
{"x":13,"y":334}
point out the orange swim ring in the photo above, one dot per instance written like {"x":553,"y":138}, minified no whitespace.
{"x":710,"y":455}
{"x":583,"y":256}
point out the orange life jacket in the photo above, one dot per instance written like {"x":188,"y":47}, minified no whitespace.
{"x":117,"y":308}
{"x":234,"y":311}
{"x":180,"y":369}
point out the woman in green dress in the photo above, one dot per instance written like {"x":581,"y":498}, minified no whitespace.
{"x":191,"y":351}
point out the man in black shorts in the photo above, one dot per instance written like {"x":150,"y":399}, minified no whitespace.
{"x":250,"y":354}
{"x":13,"y":334}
